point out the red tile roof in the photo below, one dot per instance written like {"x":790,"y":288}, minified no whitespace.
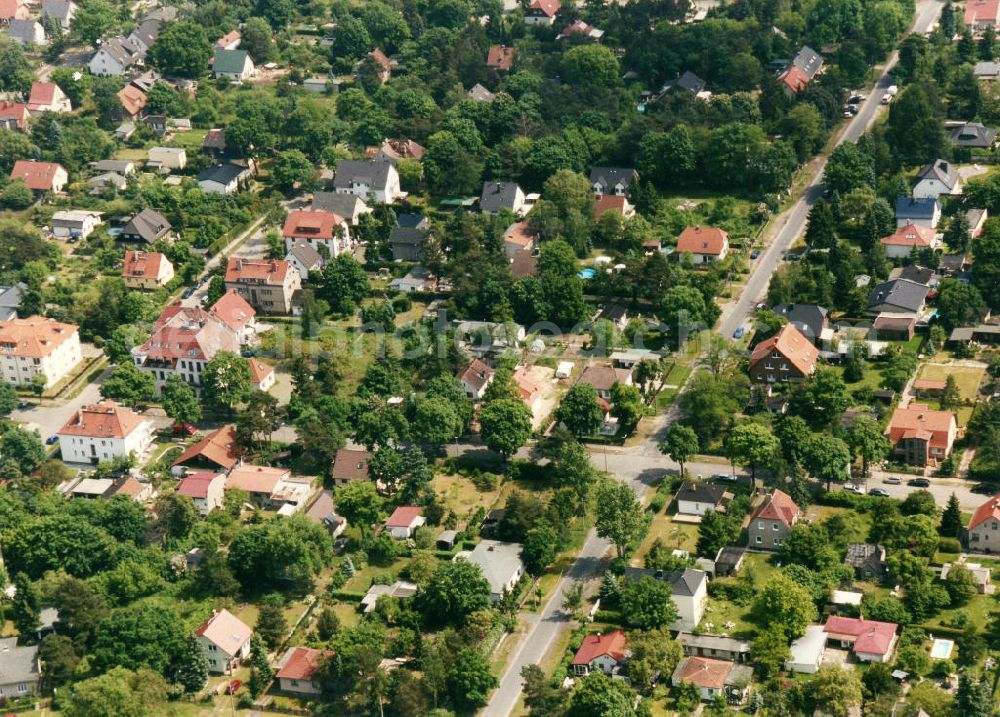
{"x":350,"y":464}
{"x":871,"y":636}
{"x":256,"y":479}
{"x":612,"y":644}
{"x":188,"y":332}
{"x":500,"y":57}
{"x":795,"y":79}
{"x":526,"y":386}
{"x":130,"y":487}
{"x":218,"y":447}
{"x":16,"y":111}
{"x":704,"y":672}
{"x":403,"y":516}
{"x":548,"y":7}
{"x":989,"y":509}
{"x":142,"y":264}
{"x":196,"y":485}
{"x":300,"y":663}
{"x":42,"y":94}
{"x":225,"y":631}
{"x":312,"y":224}
{"x":10,"y":9}
{"x":228,"y":39}
{"x":604,"y":203}
{"x":234,"y":310}
{"x":33,"y":337}
{"x":105,"y":419}
{"x":919,"y":421}
{"x":910,"y":235}
{"x":477,"y":374}
{"x":133,"y":99}
{"x":985,"y":11}
{"x":267,"y":271}
{"x":37,"y":175}
{"x":702,"y":240}
{"x":259,"y":370}
{"x":792,"y":345}
{"x":381,"y":59}
{"x":778,"y":506}
{"x":519,"y":233}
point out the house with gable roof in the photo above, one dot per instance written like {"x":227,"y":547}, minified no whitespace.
{"x":317,"y":228}
{"x":40,"y":177}
{"x":368,"y":178}
{"x":147,"y":227}
{"x":937,"y":178}
{"x":298,"y":666}
{"x":704,"y":244}
{"x":502,"y":195}
{"x":26,"y":32}
{"x":612,"y":180}
{"x":205,"y":489}
{"x":981,"y":14}
{"x":869,"y":640}
{"x":47,"y":97}
{"x":14,"y":116}
{"x":788,"y":356}
{"x":500,"y":563}
{"x":714,"y":678}
{"x":476,"y":377}
{"x":983,"y":530}
{"x":20,"y":669}
{"x":102,"y":431}
{"x":500,"y":58}
{"x":146,"y":270}
{"x":688,"y":590}
{"x":803,"y":68}
{"x":218,"y":450}
{"x":541,"y":12}
{"x":404,"y":521}
{"x":233,"y":65}
{"x":116,"y":56}
{"x":920,"y":435}
{"x":37,"y":345}
{"x":608,"y":653}
{"x":349,"y":465}
{"x":269,"y":285}
{"x":772,"y":521}
{"x":233,"y":310}
{"x":902,"y":242}
{"x":225,"y":639}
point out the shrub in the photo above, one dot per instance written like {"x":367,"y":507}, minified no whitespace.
{"x":949,"y":545}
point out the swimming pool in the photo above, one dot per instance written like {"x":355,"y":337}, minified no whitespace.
{"x":587,"y":273}
{"x":941,"y":649}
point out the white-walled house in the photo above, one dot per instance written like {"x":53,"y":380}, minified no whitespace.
{"x":317,"y":228}
{"x":225,"y":640}
{"x":689,"y":591}
{"x":102,"y":431}
{"x":404,"y":521}
{"x":607,"y":653}
{"x":167,"y":157}
{"x":146,"y":270}
{"x":75,"y":223}
{"x":377,"y":180}
{"x":937,"y":178}
{"x":297,"y":667}
{"x":205,"y":489}
{"x":37,"y":345}
{"x":500,"y":563}
{"x":699,"y":497}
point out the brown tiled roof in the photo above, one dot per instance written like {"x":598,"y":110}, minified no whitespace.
{"x":218,"y":447}
{"x":33,"y":337}
{"x":477,"y":374}
{"x":989,"y":509}
{"x":702,"y":240}
{"x":312,"y":223}
{"x":704,"y":672}
{"x":37,"y":175}
{"x":792,"y":345}
{"x":133,"y":99}
{"x":919,"y":421}
{"x":350,"y":464}
{"x":234,"y":310}
{"x":259,"y":370}
{"x":256,"y":479}
{"x":403,"y":516}
{"x":142,"y":263}
{"x":778,"y":506}
{"x":105,"y":419}
{"x":267,"y":271}
{"x":196,"y":485}
{"x":500,"y":57}
{"x":300,"y":663}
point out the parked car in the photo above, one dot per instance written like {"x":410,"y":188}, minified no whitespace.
{"x":184,"y":428}
{"x":727,"y":477}
{"x":919,"y":483}
{"x":738,"y":334}
{"x":892,"y":480}
{"x":985,"y":489}
{"x":879,"y":492}
{"x":856,"y":100}
{"x":187,"y":292}
{"x":854,"y":488}
{"x":755,"y":253}
{"x":51,"y":440}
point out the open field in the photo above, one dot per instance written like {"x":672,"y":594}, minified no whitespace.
{"x":967,"y":378}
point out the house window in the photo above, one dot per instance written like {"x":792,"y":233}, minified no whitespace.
{"x":212,"y":648}
{"x":759,"y":540}
{"x":22,"y":688}
{"x":777,"y":541}
{"x":760,"y":525}
{"x":293,"y":683}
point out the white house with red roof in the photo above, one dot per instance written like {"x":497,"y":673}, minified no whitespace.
{"x":261,"y":482}
{"x":607,"y":653}
{"x":869,"y":640}
{"x":704,"y":244}
{"x":541,"y":12}
{"x":921,"y":435}
{"x":238,"y":315}
{"x":102,"y":431}
{"x":404,"y":521}
{"x":268,"y":285}
{"x":901,"y":243}
{"x":772,"y":520}
{"x":183,"y":340}
{"x":146,"y":270}
{"x":40,"y":177}
{"x":14,"y":115}
{"x":218,"y":449}
{"x":225,"y":640}
{"x":47,"y":97}
{"x":983,"y":529}
{"x":980,"y":14}
{"x":262,"y":375}
{"x":229,"y":41}
{"x":317,"y":228}
{"x":297,"y":667}
{"x":205,"y":488}
{"x":37,"y":346}
{"x":475,"y":379}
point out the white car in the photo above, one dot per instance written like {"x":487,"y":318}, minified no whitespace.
{"x":853,"y":488}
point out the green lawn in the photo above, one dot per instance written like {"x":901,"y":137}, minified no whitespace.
{"x":682,"y":536}
{"x":967,"y":378}
{"x":362,"y":579}
{"x":978,"y":611}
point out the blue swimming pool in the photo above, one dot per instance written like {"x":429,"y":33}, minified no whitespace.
{"x":587,"y":273}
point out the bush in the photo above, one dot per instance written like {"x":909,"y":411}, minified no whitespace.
{"x":657,"y":503}
{"x":949,"y":545}
{"x":612,"y":617}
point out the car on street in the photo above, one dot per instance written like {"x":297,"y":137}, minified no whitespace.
{"x":22,"y":404}
{"x":187,"y":292}
{"x":856,"y":100}
{"x":738,"y":334}
{"x":755,"y":253}
{"x":853,"y":488}
{"x":51,"y":440}
{"x":985,"y":489}
{"x":879,"y":492}
{"x":892,"y":480}
{"x":919,"y":483}
{"x":724,"y":477}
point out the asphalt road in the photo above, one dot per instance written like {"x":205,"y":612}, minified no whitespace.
{"x":793,"y":223}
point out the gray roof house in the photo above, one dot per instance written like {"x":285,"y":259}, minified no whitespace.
{"x":123,"y":167}
{"x":480,"y":93}
{"x":867,"y":560}
{"x":25,"y":32}
{"x":62,"y":11}
{"x":612,"y":180}
{"x":811,"y":320}
{"x":922,"y":212}
{"x":974,"y":135}
{"x":719,"y":647}
{"x":10,"y":301}
{"x":146,"y":226}
{"x":690,"y":82}
{"x":406,"y":239}
{"x":898,"y":295}
{"x":987,"y":70}
{"x":501,"y":195}
{"x":937,"y":178}
{"x":304,"y":258}
{"x":109,"y":179}
{"x":500,"y":562}
{"x":364,"y":178}
{"x":115,"y":56}
{"x":146,"y":33}
{"x":19,"y":673}
{"x":225,"y":178}
{"x":688,"y":590}
{"x":348,"y":206}
{"x":808,"y":62}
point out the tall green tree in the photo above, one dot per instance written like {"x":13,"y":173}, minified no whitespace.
{"x":179,"y":401}
{"x":867,"y":441}
{"x":827,"y":458}
{"x":951,"y":518}
{"x":193,"y":670}
{"x":579,"y":410}
{"x":182,"y":49}
{"x":25,"y":607}
{"x":681,"y":443}
{"x":227,"y":381}
{"x":751,"y":445}
{"x":619,"y":516}
{"x":261,"y":672}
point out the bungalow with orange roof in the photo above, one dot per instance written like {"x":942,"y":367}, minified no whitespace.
{"x":786,"y":356}
{"x":47,"y":97}
{"x":902,"y":242}
{"x":225,"y":640}
{"x":617,"y":203}
{"x":40,"y":177}
{"x":772,"y":521}
{"x":541,"y":12}
{"x":229,"y":41}
{"x":869,"y":640}
{"x":261,"y":482}
{"x":132,"y":100}
{"x":268,"y":285}
{"x":37,"y":346}
{"x":607,"y":653}
{"x":404,"y":521}
{"x":317,"y":228}
{"x":980,"y":14}
{"x":102,"y":431}
{"x":714,"y":678}
{"x":205,"y":488}
{"x":297,"y":667}
{"x":704,"y":244}
{"x":983,"y":530}
{"x":500,"y":58}
{"x":922,"y":436}
{"x":217,"y":450}
{"x":146,"y":270}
